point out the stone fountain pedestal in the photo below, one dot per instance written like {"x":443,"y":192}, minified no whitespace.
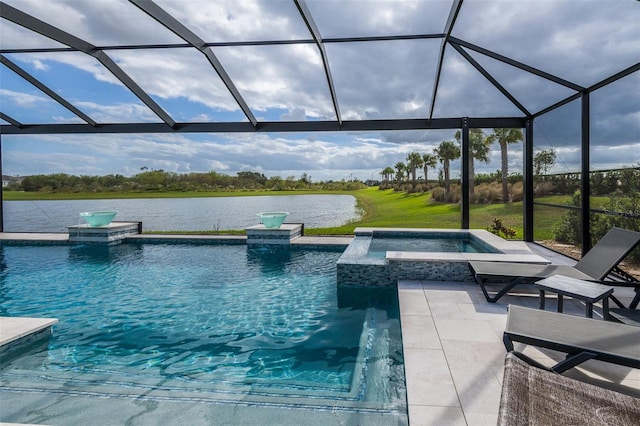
{"x":287,"y":232}
{"x":112,"y":233}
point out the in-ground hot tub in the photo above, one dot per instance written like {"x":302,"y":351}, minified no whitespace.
{"x":272,"y":219}
{"x":382,"y":256}
{"x":98,"y":218}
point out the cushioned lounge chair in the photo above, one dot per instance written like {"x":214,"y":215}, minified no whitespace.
{"x":532,"y":396}
{"x":580,"y":338}
{"x":594,"y":266}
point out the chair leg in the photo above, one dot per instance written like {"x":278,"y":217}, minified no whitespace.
{"x":504,"y":290}
{"x":617,"y":301}
{"x":636,"y":299}
{"x":572,"y":360}
{"x":634,"y":303}
{"x":508,"y":344}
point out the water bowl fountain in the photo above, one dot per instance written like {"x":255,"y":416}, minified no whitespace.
{"x":272,"y":219}
{"x":98,"y":218}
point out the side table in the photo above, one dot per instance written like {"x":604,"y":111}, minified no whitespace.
{"x":586,"y":291}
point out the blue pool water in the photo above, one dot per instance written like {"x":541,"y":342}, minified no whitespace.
{"x":380,"y":245}
{"x":182,"y":334}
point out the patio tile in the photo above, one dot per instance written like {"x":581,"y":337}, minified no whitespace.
{"x":467,"y":330}
{"x":450,"y":285}
{"x":426,"y":415}
{"x":476,"y":419}
{"x":479,"y":392}
{"x":419,"y":332}
{"x":483,"y":311}
{"x":429,"y":381}
{"x":474,"y":356}
{"x":456,"y":378}
{"x":413,"y":302}
{"x":445,"y":310}
{"x":409,"y":285}
{"x":441,"y":295}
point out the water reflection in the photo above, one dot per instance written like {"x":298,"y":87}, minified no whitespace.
{"x":183,"y":214}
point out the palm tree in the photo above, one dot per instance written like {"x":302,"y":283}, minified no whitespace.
{"x":505,"y":137}
{"x":447,"y":151}
{"x":478,"y":150}
{"x":414,"y":162}
{"x":400,"y":169}
{"x":387,"y":173}
{"x":428,"y":161}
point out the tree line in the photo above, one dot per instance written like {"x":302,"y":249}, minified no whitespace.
{"x":163,"y":181}
{"x":479,"y":150}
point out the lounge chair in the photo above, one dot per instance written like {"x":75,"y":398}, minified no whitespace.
{"x":594,"y":266}
{"x":531,"y":396}
{"x":580,"y":338}
{"x":625,"y":316}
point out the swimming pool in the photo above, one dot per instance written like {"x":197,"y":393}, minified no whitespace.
{"x":185,"y":334}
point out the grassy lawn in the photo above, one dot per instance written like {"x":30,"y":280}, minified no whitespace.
{"x":401,"y":210}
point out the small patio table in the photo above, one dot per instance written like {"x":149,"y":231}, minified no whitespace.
{"x":587,"y":291}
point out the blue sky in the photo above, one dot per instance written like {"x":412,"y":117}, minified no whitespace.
{"x":581,"y":41}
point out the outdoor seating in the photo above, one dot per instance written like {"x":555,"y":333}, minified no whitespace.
{"x":580,"y":338}
{"x":538,"y":397}
{"x":626,"y":316}
{"x":594,"y":266}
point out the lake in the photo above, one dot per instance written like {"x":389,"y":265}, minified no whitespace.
{"x":183,"y":214}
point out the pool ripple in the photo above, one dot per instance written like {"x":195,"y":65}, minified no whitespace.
{"x":268,"y":334}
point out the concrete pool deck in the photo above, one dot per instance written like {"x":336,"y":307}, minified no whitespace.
{"x":452,"y":339}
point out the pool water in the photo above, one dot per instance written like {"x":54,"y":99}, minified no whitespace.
{"x":380,"y":245}
{"x":184,"y":334}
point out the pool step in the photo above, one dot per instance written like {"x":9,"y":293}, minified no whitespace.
{"x":20,"y":336}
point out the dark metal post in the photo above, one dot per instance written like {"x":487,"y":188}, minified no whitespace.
{"x":585,"y":187}
{"x":1,"y":192}
{"x":528,"y":181}
{"x":465,"y":174}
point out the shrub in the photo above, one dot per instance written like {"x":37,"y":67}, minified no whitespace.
{"x":499,"y":229}
{"x":453,"y":196}
{"x":487,"y":193}
{"x":517,"y":192}
{"x":544,"y":188}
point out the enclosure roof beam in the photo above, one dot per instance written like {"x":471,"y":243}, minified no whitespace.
{"x":27,"y":21}
{"x":37,"y":83}
{"x":489,"y":77}
{"x":175,"y":26}
{"x":270,"y":126}
{"x":239,"y":43}
{"x":558,"y":104}
{"x":516,"y":64}
{"x":451,"y":20}
{"x":313,"y":29}
{"x":11,"y":120}
{"x":615,"y":77}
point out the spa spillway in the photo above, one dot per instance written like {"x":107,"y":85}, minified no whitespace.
{"x":272,"y":219}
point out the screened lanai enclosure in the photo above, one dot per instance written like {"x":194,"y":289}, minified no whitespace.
{"x":337,"y":81}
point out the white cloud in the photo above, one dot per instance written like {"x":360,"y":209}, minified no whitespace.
{"x":390,"y":79}
{"x":23,"y":99}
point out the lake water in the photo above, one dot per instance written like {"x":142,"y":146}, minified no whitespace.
{"x":183,"y":214}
